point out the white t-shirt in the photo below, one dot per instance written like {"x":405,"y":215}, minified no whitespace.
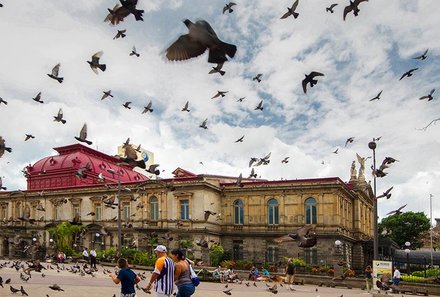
{"x":396,"y":274}
{"x":85,"y":253}
{"x":93,"y":253}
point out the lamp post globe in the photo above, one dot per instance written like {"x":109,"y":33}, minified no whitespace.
{"x":372,"y":145}
{"x":407,"y":244}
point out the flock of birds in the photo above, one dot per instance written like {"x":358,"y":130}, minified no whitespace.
{"x":24,"y":271}
{"x":201,"y":37}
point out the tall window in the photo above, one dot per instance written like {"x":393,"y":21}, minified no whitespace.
{"x":272,"y":254}
{"x":4,"y":212}
{"x":237,"y":250}
{"x":184,"y":209}
{"x":154,"y":208}
{"x":76,"y":210}
{"x":272,"y":209}
{"x":311,"y":256}
{"x":126,"y":211}
{"x":18,"y":211}
{"x":311,"y":211}
{"x":238,"y":212}
{"x":57,"y":213}
{"x":98,"y":212}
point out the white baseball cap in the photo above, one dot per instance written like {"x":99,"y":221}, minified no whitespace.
{"x":161,"y":248}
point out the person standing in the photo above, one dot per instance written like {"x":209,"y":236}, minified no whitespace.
{"x":126,"y":277}
{"x":93,"y":258}
{"x":182,"y":274}
{"x":290,"y":271}
{"x":396,"y":276}
{"x":163,"y":274}
{"x":369,"y":278}
{"x":85,"y":254}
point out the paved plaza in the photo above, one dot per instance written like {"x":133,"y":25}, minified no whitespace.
{"x":101,"y":286}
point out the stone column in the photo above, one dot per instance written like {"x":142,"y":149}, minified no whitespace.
{"x":358,"y":258}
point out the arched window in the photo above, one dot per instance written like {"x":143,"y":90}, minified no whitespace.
{"x":154,"y":208}
{"x":238,"y":212}
{"x":311,"y":211}
{"x":272,"y":209}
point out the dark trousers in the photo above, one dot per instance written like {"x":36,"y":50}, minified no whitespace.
{"x":92,"y":261}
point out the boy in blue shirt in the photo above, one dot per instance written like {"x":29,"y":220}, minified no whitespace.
{"x":127,"y":278}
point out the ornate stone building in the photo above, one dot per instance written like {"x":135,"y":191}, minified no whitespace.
{"x":245,"y":219}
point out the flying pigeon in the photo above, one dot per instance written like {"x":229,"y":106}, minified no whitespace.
{"x":80,"y":173}
{"x":3,"y":101}
{"x":422,"y":56}
{"x":203,"y":124}
{"x":291,"y":11}
{"x":253,"y":174}
{"x":349,"y":140}
{"x":185,"y":108}
{"x":107,"y":94}
{"x":94,"y":64}
{"x":240,"y":139}
{"x":38,"y":98}
{"x":228,"y":7}
{"x":3,"y":147}
{"x":409,"y":73}
{"x":309,"y":79}
{"x":330,"y":8}
{"x":219,"y":93}
{"x":241,"y":99}
{"x":59,"y":117}
{"x":386,"y":194}
{"x":209,"y":213}
{"x":127,"y":105}
{"x":285,"y":160}
{"x":217,"y":69}
{"x":397,"y":211}
{"x":259,"y":106}
{"x":83,"y":135}
{"x":148,"y":108}
{"x":153,"y":169}
{"x":258,"y":77}
{"x":134,"y":52}
{"x":429,"y":96}
{"x":54,"y":73}
{"x":303,"y":235}
{"x":56,"y":287}
{"x":1,"y":184}
{"x":119,"y":13}
{"x":377,"y":96}
{"x":120,"y":34}
{"x":353,"y":6}
{"x":29,"y":136}
{"x":200,"y":37}
{"x":238,"y":181}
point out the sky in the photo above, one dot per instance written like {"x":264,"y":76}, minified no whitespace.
{"x":359,"y":57}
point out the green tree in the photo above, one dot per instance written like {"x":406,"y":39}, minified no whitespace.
{"x":409,"y":226}
{"x":216,"y":254}
{"x":64,"y":234}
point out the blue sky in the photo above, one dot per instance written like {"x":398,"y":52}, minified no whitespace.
{"x":359,"y":57}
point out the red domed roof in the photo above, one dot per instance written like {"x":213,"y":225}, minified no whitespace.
{"x":59,"y":171}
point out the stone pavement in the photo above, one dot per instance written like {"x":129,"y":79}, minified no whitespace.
{"x":102,"y":286}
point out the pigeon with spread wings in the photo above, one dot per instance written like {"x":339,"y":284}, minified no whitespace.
{"x":309,"y":79}
{"x":200,"y":37}
{"x":291,"y":11}
{"x":303,"y":235}
{"x":83,"y":135}
{"x":3,"y":147}
{"x":54,"y":74}
{"x":94,"y":64}
{"x":353,"y":6}
{"x":59,"y":117}
{"x":397,"y":211}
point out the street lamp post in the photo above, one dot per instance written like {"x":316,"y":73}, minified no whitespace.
{"x":338,"y":270}
{"x":407,"y":251}
{"x":372,"y":145}
{"x":430,"y":218}
{"x":119,"y":209}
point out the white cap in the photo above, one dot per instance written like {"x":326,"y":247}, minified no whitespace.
{"x":161,"y":248}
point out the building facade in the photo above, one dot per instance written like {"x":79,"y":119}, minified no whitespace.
{"x":244,"y":219}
